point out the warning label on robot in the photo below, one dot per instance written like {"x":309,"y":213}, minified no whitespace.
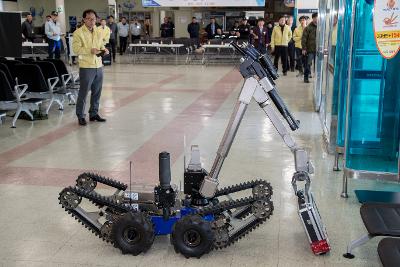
{"x":387,"y":27}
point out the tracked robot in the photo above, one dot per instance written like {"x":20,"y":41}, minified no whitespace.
{"x":203,"y":216}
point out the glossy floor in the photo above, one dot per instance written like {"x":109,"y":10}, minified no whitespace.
{"x":154,"y":108}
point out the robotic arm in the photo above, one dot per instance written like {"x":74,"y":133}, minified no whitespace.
{"x":259,"y":74}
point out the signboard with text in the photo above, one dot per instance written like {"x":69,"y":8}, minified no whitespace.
{"x":387,"y":27}
{"x":197,"y":3}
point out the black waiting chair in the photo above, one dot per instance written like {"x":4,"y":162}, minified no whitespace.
{"x":26,"y":60}
{"x":6,"y":70}
{"x":11,"y":99}
{"x":38,"y":86}
{"x":11,"y":66}
{"x":50,"y":73}
{"x":69,"y":80}
{"x":380,"y":219}
{"x":389,"y":252}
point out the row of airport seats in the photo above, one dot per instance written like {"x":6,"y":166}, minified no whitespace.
{"x":380,"y":220}
{"x":26,"y":84}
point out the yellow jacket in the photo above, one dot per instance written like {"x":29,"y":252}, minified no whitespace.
{"x":281,"y":39}
{"x":334,"y":35}
{"x":297,"y":34}
{"x":83,"y":41}
{"x":105,"y":32}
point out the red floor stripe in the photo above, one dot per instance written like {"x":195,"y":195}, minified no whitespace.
{"x":54,"y":135}
{"x":189,"y":123}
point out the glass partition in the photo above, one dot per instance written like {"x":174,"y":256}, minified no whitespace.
{"x":372,"y":130}
{"x":319,"y":59}
{"x":329,"y":95}
{"x":341,"y":71}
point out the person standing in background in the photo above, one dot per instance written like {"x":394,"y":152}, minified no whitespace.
{"x":244,"y":30}
{"x":104,"y":31}
{"x":135,"y":29}
{"x":280,"y":38}
{"x":193,"y":29}
{"x":334,"y":38}
{"x":212,"y":28}
{"x":259,"y":37}
{"x":309,"y":45}
{"x":88,"y":43}
{"x":53,"y":33}
{"x":147,"y":28}
{"x":235,"y":30}
{"x":43,"y":29}
{"x":297,"y":35}
{"x":113,"y":36}
{"x":291,"y":45}
{"x":27,"y":28}
{"x":167,"y":28}
{"x":98,"y":21}
{"x":123,"y":32}
{"x":270,"y":27}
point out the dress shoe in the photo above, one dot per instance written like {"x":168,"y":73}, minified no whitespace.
{"x":97,"y":118}
{"x":285,"y":74}
{"x":306,"y":81}
{"x":82,"y":121}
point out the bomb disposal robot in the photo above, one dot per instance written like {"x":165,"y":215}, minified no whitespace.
{"x":202,"y":217}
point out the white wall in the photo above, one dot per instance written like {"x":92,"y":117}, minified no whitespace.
{"x":76,"y":8}
{"x":182,"y":19}
{"x":47,"y":5}
{"x":8,"y":6}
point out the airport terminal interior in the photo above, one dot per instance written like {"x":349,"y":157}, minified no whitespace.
{"x":200,"y":133}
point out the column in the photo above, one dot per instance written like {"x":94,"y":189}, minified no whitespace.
{"x":60,"y":8}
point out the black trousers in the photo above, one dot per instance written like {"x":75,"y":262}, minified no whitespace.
{"x":112,"y":46}
{"x":281,"y":52}
{"x":300,"y":59}
{"x":135,"y":37}
{"x":309,"y":59}
{"x":291,"y":54}
{"x":123,"y":42}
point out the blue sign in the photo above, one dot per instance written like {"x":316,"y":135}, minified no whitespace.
{"x":72,"y":21}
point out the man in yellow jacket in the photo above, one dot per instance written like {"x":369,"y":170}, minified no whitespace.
{"x":88,"y":44}
{"x":280,"y":38}
{"x":297,"y":34}
{"x":104,"y":31}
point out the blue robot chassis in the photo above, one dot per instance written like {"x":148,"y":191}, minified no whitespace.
{"x":202,"y":217}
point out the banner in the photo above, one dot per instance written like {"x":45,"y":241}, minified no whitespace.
{"x":10,"y":34}
{"x":198,"y":3}
{"x":387,"y":27}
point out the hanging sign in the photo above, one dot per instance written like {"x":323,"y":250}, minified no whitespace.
{"x":387,"y":27}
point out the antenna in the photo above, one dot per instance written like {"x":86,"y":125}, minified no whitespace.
{"x":184,"y":153}
{"x":130,"y":183}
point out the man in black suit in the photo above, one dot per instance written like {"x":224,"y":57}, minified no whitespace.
{"x":259,"y":37}
{"x":244,"y":30}
{"x":212,"y":28}
{"x":167,"y":28}
{"x":194,"y":31}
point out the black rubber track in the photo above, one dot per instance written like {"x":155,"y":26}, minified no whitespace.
{"x":104,"y":180}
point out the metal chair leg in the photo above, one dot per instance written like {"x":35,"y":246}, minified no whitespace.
{"x":356,"y":243}
{"x":49,"y":106}
{"x":344,"y":187}
{"x":336,"y":166}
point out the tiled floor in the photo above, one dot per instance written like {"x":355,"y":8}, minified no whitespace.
{"x":150,"y":109}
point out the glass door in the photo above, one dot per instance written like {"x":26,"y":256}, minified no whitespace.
{"x":328,"y":94}
{"x":319,"y":60}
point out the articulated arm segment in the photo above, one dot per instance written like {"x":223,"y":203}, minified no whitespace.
{"x":210,"y":183}
{"x":303,"y":165}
